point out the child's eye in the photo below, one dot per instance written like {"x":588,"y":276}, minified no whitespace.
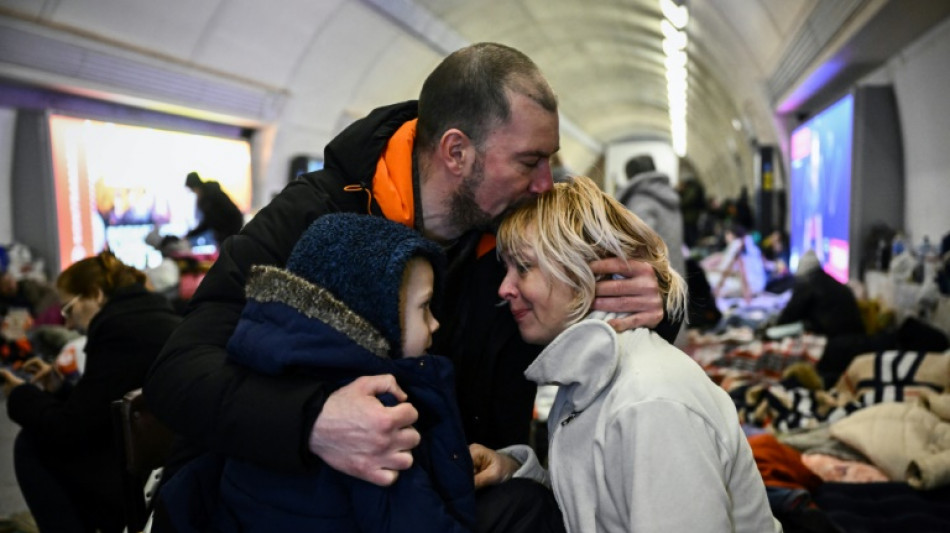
{"x":523,"y":268}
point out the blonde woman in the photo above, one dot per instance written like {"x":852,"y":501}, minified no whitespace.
{"x":640,"y":438}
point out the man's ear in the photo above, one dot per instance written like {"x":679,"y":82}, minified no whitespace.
{"x":456,"y":152}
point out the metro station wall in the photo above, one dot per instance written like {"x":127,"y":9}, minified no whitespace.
{"x":920,"y":78}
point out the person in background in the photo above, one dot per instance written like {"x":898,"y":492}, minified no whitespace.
{"x":744,"y":215}
{"x":827,"y":307}
{"x":640,"y":438}
{"x":824,"y":305}
{"x":36,"y":296}
{"x":218,"y":212}
{"x":65,"y":458}
{"x":649,"y":194}
{"x":693,"y":204}
{"x":450,"y":165}
{"x":738,"y":269}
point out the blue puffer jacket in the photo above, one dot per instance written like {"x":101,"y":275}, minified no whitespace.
{"x":290,"y":325}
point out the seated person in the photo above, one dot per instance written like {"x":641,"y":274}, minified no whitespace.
{"x":828,"y":307}
{"x":363,"y":286}
{"x":65,"y":456}
{"x":824,"y":305}
{"x":738,"y":270}
{"x":37,"y":297}
{"x":640,"y":438}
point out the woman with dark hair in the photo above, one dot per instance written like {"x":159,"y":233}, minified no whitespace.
{"x":65,"y":459}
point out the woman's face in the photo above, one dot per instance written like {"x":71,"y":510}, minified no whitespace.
{"x":540,"y":303}
{"x":78,"y":311}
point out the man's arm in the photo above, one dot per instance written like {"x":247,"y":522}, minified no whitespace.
{"x":270,"y":420}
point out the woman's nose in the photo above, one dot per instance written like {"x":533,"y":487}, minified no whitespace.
{"x":507,"y":289}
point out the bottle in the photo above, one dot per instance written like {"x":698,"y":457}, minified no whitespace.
{"x":882,"y":256}
{"x":897,"y":245}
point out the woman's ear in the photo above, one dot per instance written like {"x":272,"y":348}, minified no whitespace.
{"x":457,"y":152}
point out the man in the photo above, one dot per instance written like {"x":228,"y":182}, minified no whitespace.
{"x":649,"y":194}
{"x":218,"y":212}
{"x":487,"y":127}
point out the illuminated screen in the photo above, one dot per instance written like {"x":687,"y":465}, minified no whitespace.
{"x":820,"y":188}
{"x":114,"y":183}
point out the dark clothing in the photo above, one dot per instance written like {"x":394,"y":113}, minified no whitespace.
{"x":692,"y":204}
{"x":289,"y":326}
{"x":51,"y":504}
{"x":267,"y":420}
{"x":73,"y":427}
{"x":825,"y":306}
{"x":518,"y":505}
{"x":218,"y":213}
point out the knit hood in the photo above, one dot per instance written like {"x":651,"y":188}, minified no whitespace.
{"x":360,"y":260}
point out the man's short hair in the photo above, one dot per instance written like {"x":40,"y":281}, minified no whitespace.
{"x":193,"y":180}
{"x":638,"y":165}
{"x":468,"y":91}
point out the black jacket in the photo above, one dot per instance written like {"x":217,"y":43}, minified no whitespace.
{"x":268,"y":419}
{"x":218,"y":213}
{"x":74,"y":426}
{"x":825,"y":306}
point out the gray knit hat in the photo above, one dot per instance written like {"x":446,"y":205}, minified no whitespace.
{"x":360,"y":259}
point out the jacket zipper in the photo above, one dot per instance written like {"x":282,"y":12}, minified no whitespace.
{"x":570,"y":417}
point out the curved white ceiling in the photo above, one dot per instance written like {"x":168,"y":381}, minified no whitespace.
{"x":302,"y":69}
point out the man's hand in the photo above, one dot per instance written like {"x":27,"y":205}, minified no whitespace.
{"x":358,"y":435}
{"x":491,"y":467}
{"x":637,"y":293}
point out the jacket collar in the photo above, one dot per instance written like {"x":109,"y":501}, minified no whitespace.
{"x":583,"y":360}
{"x":273,"y":284}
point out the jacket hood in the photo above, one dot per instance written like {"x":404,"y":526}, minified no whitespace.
{"x":654,"y":184}
{"x":356,"y":150}
{"x":362,"y":260}
{"x":268,"y":284}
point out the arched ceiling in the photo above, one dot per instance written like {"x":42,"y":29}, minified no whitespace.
{"x":300,"y":70}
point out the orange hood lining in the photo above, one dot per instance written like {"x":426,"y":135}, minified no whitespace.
{"x":392,"y":183}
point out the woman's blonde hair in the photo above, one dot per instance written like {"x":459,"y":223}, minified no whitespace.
{"x":576,"y":223}
{"x":102,"y":272}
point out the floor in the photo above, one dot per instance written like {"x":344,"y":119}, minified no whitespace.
{"x":11,"y":501}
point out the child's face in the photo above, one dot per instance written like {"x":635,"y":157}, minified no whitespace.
{"x":540,"y":303}
{"x":418,"y":323}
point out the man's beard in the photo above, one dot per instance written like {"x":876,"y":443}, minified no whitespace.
{"x":464,"y":212}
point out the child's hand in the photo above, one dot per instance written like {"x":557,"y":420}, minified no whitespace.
{"x":491,"y":467}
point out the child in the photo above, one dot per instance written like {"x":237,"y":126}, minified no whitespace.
{"x":362,"y":285}
{"x":640,"y":438}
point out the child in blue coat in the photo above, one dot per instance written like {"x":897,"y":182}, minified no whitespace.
{"x":354,"y":300}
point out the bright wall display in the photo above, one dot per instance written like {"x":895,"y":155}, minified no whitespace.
{"x":114,"y":183}
{"x":820,"y":188}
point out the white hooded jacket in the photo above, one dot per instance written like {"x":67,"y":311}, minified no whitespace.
{"x":641,"y":439}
